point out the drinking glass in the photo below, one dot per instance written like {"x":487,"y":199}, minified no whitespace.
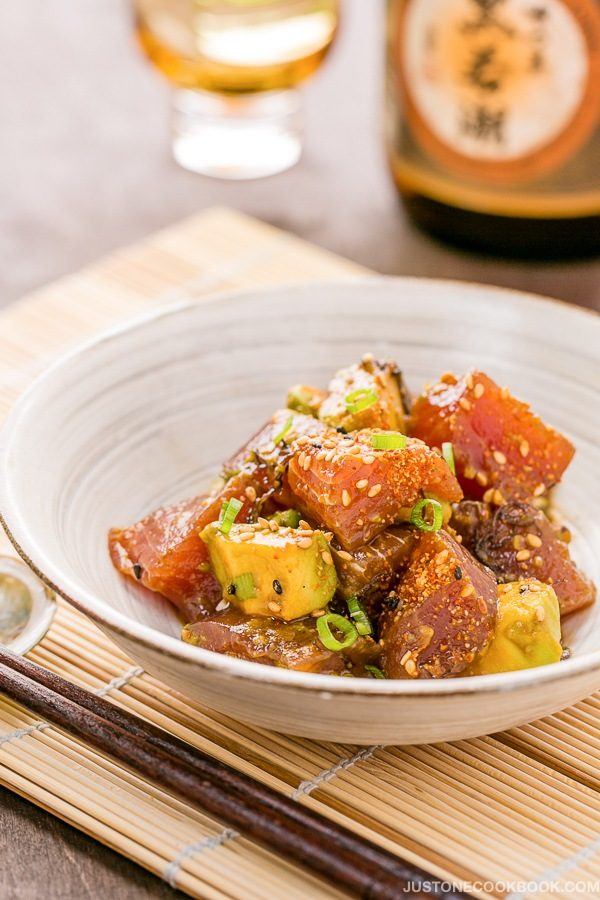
{"x":235,"y":66}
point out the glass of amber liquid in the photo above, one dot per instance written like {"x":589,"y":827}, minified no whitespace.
{"x":235,"y":66}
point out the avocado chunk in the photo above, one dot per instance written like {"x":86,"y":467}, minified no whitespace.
{"x":288,"y":518}
{"x":304,"y":398}
{"x":269,"y":570}
{"x":527,"y":630}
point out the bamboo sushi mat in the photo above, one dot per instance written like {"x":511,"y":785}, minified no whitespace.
{"x":512,"y":815}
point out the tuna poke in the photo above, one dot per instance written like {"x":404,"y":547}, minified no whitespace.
{"x":365,"y":533}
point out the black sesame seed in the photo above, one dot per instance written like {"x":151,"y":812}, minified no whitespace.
{"x":277,"y":587}
{"x":392,"y":601}
{"x":137,"y":571}
{"x":458,"y":573}
{"x":524,"y":588}
{"x":341,"y":430}
{"x":231,"y":588}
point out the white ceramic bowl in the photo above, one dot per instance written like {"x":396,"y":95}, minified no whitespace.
{"x":145,"y":414}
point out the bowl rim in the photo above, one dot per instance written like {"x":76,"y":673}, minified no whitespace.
{"x":103,"y":614}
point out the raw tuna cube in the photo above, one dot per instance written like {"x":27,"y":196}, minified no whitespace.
{"x":502,"y":450}
{"x":370,"y":571}
{"x":343,"y":483}
{"x":290,"y":645}
{"x":446,"y":613}
{"x":164,"y":553}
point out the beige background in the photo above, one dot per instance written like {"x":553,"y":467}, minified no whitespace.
{"x":85,"y":164}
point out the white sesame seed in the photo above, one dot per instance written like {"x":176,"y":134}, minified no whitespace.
{"x":464,"y":403}
{"x":499,"y":457}
{"x":524,"y":448}
{"x":539,"y":490}
{"x":372,"y":492}
{"x":478,"y":390}
{"x":523,"y":555}
{"x":343,"y":554}
{"x":533,"y":540}
{"x":250,"y":493}
{"x":361,"y":484}
{"x":326,"y":557}
{"x":540,"y":613}
{"x":405,"y":658}
{"x":411,"y":667}
{"x":368,"y":460}
{"x":481,"y":478}
{"x":346,"y":499}
{"x":274,"y":607}
{"x":305,"y":542}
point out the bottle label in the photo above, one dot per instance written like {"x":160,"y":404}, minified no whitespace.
{"x":503,"y":91}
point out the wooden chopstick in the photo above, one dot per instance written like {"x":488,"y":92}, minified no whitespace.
{"x":257,"y":811}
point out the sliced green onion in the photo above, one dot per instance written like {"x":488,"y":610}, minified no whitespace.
{"x":361,"y":399}
{"x":281,"y":434}
{"x":389,"y":440}
{"x":326,"y":636}
{"x":361,"y":619}
{"x":419,"y":510}
{"x":244,"y":586}
{"x":448,"y":454}
{"x":228,"y":515}
{"x":374,"y":671}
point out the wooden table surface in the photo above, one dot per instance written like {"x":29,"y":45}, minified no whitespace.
{"x":86,"y":168}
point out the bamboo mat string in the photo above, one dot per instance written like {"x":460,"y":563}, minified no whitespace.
{"x":515,"y":815}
